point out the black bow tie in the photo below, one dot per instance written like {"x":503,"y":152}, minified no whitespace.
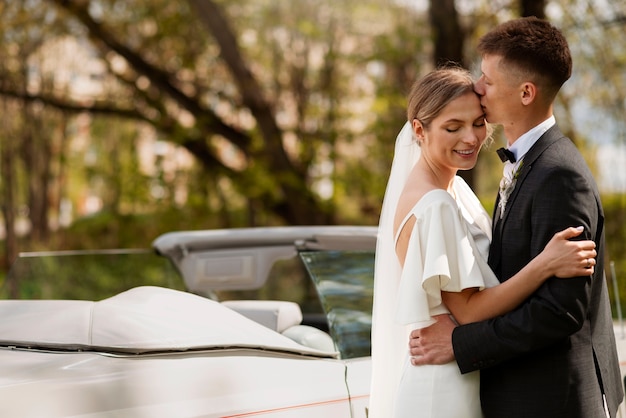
{"x":505,"y":155}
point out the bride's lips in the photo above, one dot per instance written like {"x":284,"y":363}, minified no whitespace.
{"x":466,"y":152}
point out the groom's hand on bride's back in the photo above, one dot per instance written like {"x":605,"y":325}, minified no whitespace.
{"x":433,"y":344}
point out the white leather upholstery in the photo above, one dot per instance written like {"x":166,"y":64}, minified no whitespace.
{"x":311,"y":337}
{"x":274,"y":314}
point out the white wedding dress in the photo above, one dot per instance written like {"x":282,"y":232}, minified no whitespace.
{"x":447,"y":251}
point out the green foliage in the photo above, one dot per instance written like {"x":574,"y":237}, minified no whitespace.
{"x":91,"y":276}
{"x":615,"y":225}
{"x":113,"y":230}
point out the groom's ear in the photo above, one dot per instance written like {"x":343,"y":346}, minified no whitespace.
{"x":528,"y":93}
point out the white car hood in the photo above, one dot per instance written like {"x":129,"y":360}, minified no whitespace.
{"x":141,"y":320}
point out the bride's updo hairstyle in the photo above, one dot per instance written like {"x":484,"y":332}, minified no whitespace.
{"x":431,"y":93}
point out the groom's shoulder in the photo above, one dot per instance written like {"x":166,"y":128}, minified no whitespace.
{"x":554,"y":144}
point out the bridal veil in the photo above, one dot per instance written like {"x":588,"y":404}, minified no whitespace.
{"x":389,"y":342}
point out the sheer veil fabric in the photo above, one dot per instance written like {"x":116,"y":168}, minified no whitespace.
{"x":388,"y":353}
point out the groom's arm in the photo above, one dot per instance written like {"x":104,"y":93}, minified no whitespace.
{"x":563,"y":196}
{"x":559,"y":307}
{"x":554,"y":312}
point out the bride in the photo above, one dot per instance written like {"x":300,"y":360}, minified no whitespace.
{"x":432,"y":248}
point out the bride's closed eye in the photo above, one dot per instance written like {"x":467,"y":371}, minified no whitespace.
{"x":452,"y":128}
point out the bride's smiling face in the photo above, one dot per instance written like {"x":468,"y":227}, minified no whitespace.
{"x":454,"y":137}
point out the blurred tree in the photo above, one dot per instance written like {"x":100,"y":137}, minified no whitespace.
{"x":271,"y":135}
{"x":533,"y":8}
{"x":447,"y":33}
{"x":290,"y":107}
{"x":394,"y":61}
{"x":26,"y":145}
{"x":7,"y":187}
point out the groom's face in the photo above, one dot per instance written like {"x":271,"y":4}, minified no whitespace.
{"x":498,"y":91}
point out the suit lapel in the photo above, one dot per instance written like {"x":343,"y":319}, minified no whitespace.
{"x":545,"y":141}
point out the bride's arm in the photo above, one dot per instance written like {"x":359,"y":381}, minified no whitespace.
{"x":561,"y":257}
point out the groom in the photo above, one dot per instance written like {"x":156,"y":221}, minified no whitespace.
{"x":555,"y":355}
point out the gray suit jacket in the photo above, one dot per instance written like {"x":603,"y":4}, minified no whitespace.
{"x":555,"y":354}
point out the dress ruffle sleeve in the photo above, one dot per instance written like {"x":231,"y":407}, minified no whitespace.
{"x":441,"y":255}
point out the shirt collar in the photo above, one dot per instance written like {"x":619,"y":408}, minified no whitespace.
{"x":526,"y":141}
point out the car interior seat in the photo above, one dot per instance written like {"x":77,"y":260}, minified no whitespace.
{"x":285,"y":318}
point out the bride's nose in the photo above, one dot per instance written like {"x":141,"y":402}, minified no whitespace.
{"x":472,"y":137}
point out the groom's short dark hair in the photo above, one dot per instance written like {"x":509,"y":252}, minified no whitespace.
{"x":534,"y":47}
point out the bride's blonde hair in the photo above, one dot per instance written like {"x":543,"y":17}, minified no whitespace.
{"x":431,"y":93}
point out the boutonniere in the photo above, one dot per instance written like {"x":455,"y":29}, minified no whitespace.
{"x":507,"y":184}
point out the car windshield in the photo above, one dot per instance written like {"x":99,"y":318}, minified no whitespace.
{"x":87,"y":275}
{"x":344,"y":281}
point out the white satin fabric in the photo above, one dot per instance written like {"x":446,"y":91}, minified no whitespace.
{"x":447,"y":251}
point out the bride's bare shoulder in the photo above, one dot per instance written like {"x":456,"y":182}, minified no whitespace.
{"x":403,"y":223}
{"x":413,"y":192}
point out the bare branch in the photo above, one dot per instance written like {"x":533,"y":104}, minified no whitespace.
{"x":161,"y":79}
{"x":101,"y":109}
{"x":250,"y":90}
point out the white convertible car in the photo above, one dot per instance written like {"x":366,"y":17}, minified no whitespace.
{"x":270,"y":322}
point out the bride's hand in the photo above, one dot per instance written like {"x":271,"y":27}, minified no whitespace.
{"x":566,"y":258}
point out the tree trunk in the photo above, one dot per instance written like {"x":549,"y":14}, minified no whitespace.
{"x":447,"y":33}
{"x":291,"y":197}
{"x":298,"y":204}
{"x":533,"y":8}
{"x":36,"y":156}
{"x":7,"y":169}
